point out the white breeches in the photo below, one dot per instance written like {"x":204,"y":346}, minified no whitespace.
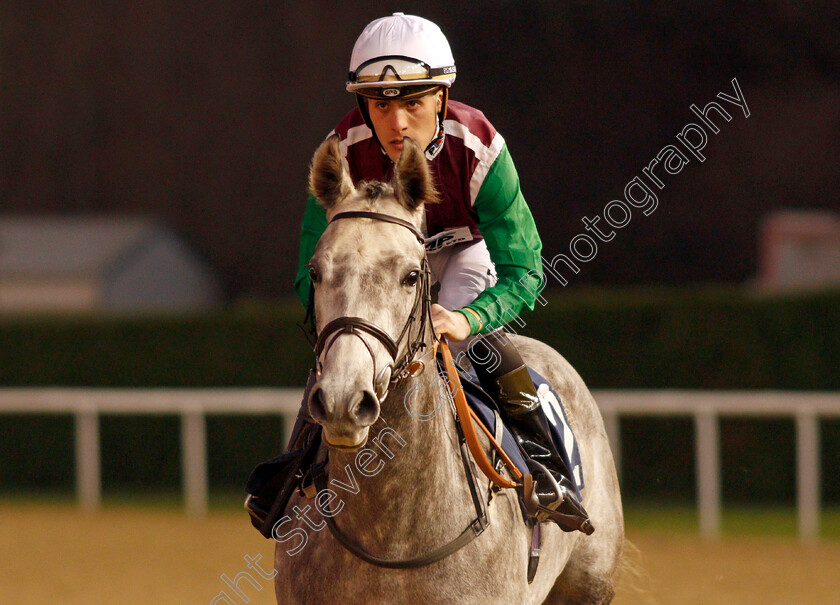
{"x":464,"y":271}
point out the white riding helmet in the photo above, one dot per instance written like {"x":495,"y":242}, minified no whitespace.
{"x":400,"y":56}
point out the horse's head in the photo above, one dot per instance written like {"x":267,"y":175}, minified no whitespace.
{"x":371,"y":284}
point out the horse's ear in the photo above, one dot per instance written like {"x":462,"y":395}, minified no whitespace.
{"x":328,"y":180}
{"x":413,"y":182}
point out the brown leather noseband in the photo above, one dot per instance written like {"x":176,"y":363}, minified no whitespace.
{"x":421,"y":310}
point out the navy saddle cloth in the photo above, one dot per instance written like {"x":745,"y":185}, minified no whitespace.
{"x":553,"y":410}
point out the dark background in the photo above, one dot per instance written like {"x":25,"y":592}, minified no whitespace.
{"x":206,"y":113}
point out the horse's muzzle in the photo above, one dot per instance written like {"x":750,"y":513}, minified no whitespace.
{"x":345,"y":422}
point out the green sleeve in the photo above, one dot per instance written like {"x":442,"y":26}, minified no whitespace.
{"x":510,"y":233}
{"x":313,"y":226}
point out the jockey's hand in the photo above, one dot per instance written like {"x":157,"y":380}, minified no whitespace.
{"x":451,"y":323}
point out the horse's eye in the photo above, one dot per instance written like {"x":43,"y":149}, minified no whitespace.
{"x":313,"y":275}
{"x":411,"y":278}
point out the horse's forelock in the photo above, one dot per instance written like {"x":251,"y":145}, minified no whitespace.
{"x":374,"y":190}
{"x":378,"y":196}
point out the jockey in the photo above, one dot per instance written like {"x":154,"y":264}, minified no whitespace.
{"x":483,"y":245}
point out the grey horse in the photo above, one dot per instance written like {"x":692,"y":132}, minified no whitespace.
{"x":397,"y":485}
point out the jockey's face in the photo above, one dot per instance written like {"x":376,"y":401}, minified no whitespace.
{"x":395,"y":119}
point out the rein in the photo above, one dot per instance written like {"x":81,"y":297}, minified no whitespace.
{"x":401,"y":370}
{"x":470,"y":533}
{"x":467,"y":421}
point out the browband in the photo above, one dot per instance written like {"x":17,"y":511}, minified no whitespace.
{"x":382,"y":217}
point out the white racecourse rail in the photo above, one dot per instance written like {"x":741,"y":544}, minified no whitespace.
{"x":193,"y":404}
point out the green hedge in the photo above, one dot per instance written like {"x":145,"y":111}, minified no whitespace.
{"x":701,"y":338}
{"x":640,"y":338}
{"x":138,"y":452}
{"x":245,"y":346}
{"x":712,"y":338}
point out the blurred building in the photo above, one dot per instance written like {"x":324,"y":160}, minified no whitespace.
{"x":800,"y":248}
{"x":99,"y":263}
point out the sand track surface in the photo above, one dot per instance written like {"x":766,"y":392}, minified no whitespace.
{"x":56,"y":554}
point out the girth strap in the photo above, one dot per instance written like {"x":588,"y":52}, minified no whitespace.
{"x":470,"y":533}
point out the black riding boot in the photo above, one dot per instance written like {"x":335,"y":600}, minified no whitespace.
{"x":520,"y":406}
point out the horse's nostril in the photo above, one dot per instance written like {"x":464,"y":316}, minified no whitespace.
{"x":317,"y":407}
{"x":366,"y":411}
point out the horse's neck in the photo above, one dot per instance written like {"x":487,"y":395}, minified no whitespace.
{"x":410,"y":471}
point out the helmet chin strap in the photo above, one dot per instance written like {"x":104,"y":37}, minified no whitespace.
{"x":434,"y":147}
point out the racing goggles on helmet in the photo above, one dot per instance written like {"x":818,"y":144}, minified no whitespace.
{"x":399,"y":68}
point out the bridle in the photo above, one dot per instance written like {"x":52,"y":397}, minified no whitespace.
{"x":401,"y":368}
